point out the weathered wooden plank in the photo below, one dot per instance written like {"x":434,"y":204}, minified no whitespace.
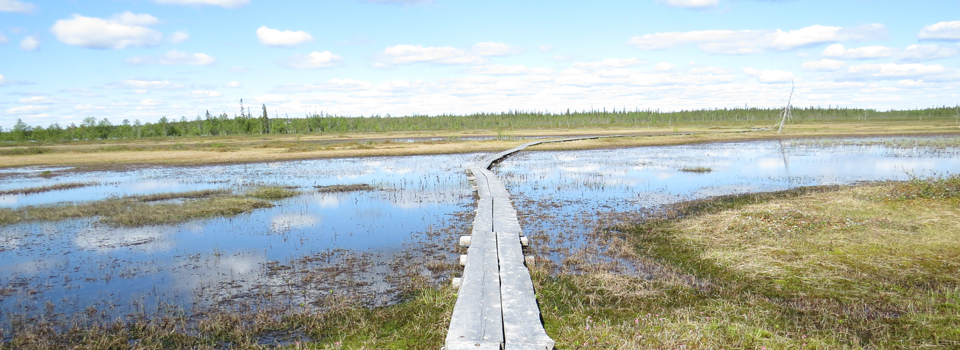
{"x":521,"y":314}
{"x":477,"y":320}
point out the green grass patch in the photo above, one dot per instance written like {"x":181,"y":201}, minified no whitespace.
{"x":272,"y":192}
{"x":344,"y":188}
{"x":696,"y":169}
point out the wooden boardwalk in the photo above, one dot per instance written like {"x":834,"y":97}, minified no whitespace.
{"x":496,"y":307}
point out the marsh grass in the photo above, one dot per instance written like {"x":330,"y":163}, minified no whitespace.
{"x":134,"y":211}
{"x":272,"y":192}
{"x":417,"y":323}
{"x":344,"y":188}
{"x":42,"y":189}
{"x":871,"y":266}
{"x":696,"y":169}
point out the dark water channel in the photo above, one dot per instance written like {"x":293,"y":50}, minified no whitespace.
{"x":368,"y":242}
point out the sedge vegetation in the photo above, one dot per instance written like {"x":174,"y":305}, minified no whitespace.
{"x":872,"y":266}
{"x":154,"y":209}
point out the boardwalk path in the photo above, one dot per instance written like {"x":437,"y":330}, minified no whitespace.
{"x":496,"y":307}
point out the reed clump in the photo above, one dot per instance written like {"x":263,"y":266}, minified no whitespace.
{"x":344,"y":188}
{"x":42,"y":189}
{"x":272,"y":192}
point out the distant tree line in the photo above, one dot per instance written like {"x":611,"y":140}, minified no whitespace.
{"x":245,"y":123}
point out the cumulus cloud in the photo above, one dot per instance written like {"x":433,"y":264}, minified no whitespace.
{"x":735,"y":42}
{"x":234,"y":84}
{"x":917,"y":53}
{"x":496,"y":49}
{"x":330,"y":85}
{"x":824,"y":65}
{"x":409,"y":54}
{"x":30,"y":43}
{"x":866,"y":52}
{"x":611,"y":63}
{"x":16,"y":6}
{"x":147,"y":84}
{"x":314,"y":60}
{"x":179,"y":36}
{"x":282,"y":38}
{"x":120,"y":31}
{"x":204,"y":94}
{"x":895,"y":70}
{"x":174,"y":57}
{"x":497,"y":69}
{"x":663,"y":66}
{"x":133,"y":19}
{"x":230,"y":4}
{"x":690,"y":4}
{"x":770,"y":76}
{"x":949,"y":31}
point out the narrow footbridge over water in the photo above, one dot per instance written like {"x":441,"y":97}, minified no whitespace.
{"x":496,"y":307}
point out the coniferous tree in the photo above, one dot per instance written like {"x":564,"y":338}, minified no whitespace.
{"x":265,"y":120}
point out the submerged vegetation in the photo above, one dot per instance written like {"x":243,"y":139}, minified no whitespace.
{"x":56,"y":187}
{"x":154,"y":209}
{"x":696,"y":169}
{"x":245,"y":123}
{"x":344,"y":188}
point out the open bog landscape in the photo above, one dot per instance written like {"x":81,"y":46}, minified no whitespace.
{"x":841,"y":242}
{"x":479,"y":175}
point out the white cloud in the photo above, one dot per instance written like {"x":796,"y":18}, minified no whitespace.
{"x":16,"y":6}
{"x":611,"y":63}
{"x":148,"y":84}
{"x":174,"y":57}
{"x":907,"y":83}
{"x":314,"y":60}
{"x":690,"y":4}
{"x":98,"y":33}
{"x":179,"y":36}
{"x":282,"y":38}
{"x":664,"y":67}
{"x":825,"y":64}
{"x":866,"y":52}
{"x":234,"y":84}
{"x":892,"y":70}
{"x":949,"y":31}
{"x":133,"y":19}
{"x":497,"y":69}
{"x":917,"y":53}
{"x":770,"y":76}
{"x":30,"y":43}
{"x":3,"y":39}
{"x":205,"y":93}
{"x":230,"y":4}
{"x":330,"y":85}
{"x":731,"y":42}
{"x":409,"y":54}
{"x":545,"y":48}
{"x":496,"y":49}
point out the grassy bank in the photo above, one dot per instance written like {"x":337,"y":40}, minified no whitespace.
{"x":259,"y":148}
{"x":865,"y":267}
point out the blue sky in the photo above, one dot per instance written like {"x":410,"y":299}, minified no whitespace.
{"x":63,"y":61}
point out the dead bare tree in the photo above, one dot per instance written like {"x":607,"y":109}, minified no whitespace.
{"x":787,"y":112}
